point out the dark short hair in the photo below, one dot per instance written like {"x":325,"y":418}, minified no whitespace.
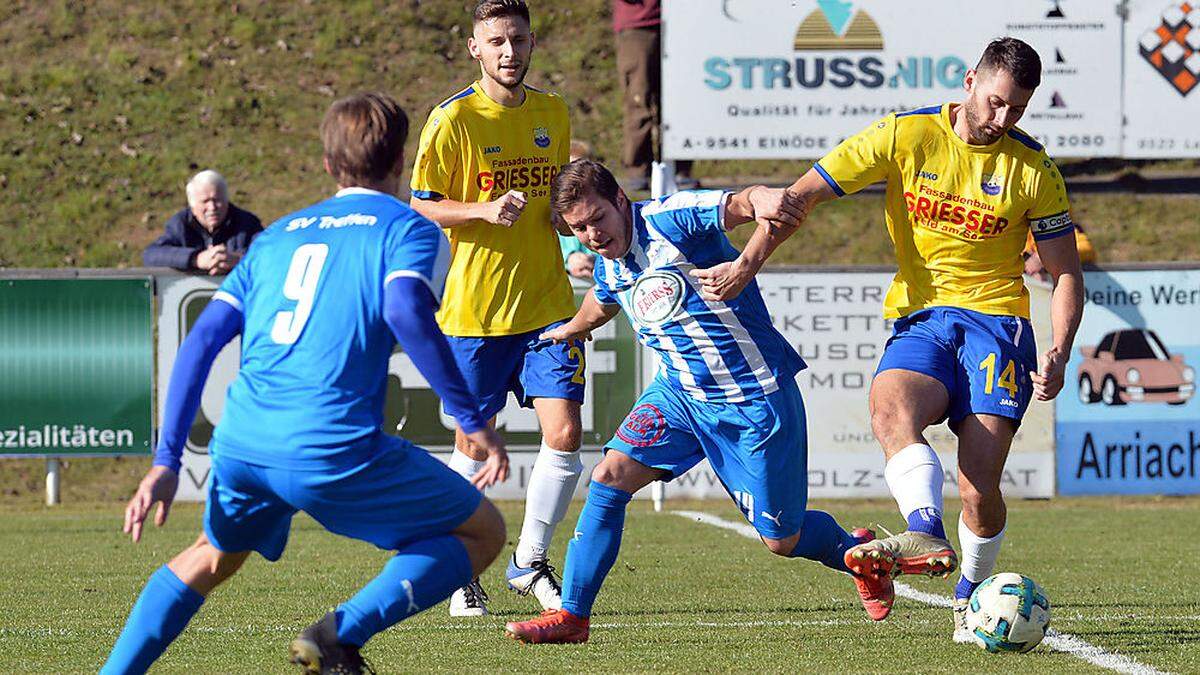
{"x":487,"y":10}
{"x":364,"y":137}
{"x":575,"y":181}
{"x":1014,"y":57}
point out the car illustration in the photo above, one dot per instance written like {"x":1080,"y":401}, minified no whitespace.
{"x":1133,"y":365}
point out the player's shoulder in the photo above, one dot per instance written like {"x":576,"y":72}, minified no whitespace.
{"x":914,"y":119}
{"x":681,"y":201}
{"x":456,"y":104}
{"x":1028,"y":149}
{"x":545,"y":99}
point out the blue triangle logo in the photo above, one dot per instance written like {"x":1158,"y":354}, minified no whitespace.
{"x":836,"y":12}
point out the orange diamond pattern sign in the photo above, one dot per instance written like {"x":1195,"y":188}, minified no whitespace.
{"x":1173,"y":47}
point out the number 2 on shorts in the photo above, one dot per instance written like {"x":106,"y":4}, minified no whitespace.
{"x":300,"y":285}
{"x":1008,"y":378}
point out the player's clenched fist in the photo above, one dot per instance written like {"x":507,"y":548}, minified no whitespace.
{"x":505,"y":210}
{"x":1049,"y":381}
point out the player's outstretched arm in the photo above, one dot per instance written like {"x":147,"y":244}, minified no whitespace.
{"x":217,"y":325}
{"x":591,"y":315}
{"x":503,"y":211}
{"x":778,"y":213}
{"x":1061,"y":259}
{"x":408,"y":308}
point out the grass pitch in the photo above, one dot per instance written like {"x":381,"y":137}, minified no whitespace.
{"x":683,"y":596}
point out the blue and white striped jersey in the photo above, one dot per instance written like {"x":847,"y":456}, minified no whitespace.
{"x":722,"y":352}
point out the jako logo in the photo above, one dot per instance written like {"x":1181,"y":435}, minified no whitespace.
{"x":834,"y":26}
{"x":927,"y":175}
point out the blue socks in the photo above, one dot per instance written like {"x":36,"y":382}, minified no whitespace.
{"x":823,"y":540}
{"x":965,"y":588}
{"x":419,"y":576}
{"x":593,"y":548}
{"x":158,"y":617}
{"x":927,"y":520}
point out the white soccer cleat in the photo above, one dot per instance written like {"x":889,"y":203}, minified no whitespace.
{"x":470,"y":600}
{"x":538,"y":579}
{"x":962,"y":633}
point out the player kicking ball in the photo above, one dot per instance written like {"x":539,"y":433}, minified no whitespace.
{"x":726,"y":390}
{"x":964,"y":187}
{"x":319,"y":301}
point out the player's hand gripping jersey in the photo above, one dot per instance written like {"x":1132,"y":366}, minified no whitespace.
{"x":957,"y":213}
{"x":315,"y":347}
{"x":503,"y":280}
{"x":720,"y":352}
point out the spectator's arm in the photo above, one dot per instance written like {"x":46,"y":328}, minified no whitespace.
{"x":166,"y":252}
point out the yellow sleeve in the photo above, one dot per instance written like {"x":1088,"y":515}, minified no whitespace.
{"x":437,"y":158}
{"x":860,"y":160}
{"x":564,"y":147}
{"x":1050,"y":215}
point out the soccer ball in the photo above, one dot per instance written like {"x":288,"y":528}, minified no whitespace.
{"x":1008,"y":612}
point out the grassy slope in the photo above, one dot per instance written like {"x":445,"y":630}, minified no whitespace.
{"x":107,"y":107}
{"x":683,"y":597}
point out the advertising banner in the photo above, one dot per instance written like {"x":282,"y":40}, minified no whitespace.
{"x":611,"y":372}
{"x":76,"y":366}
{"x":1162,"y":79}
{"x":1133,"y":425}
{"x":773,"y":79}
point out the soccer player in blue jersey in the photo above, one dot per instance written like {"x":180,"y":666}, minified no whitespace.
{"x":319,"y":301}
{"x":725,"y":391}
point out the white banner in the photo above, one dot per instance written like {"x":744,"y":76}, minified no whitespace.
{"x":768,"y":78}
{"x":1162,"y":79}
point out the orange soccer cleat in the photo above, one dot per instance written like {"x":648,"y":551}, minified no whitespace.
{"x":554,"y":626}
{"x":876,"y":590}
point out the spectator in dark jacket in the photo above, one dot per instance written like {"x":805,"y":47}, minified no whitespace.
{"x":210,"y":235}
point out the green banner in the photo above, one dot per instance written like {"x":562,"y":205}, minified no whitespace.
{"x":76,"y":366}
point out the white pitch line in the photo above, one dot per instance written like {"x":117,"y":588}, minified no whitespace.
{"x":1063,"y":642}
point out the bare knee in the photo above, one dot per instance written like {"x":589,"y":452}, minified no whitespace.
{"x":564,"y":436}
{"x":624,"y":473}
{"x":783,"y":547}
{"x":203,"y":566}
{"x":893,"y":426}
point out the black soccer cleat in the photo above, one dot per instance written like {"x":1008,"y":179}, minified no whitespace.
{"x":317,"y":651}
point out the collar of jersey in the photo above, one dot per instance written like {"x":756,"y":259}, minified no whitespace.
{"x":948,"y":128}
{"x":359,"y":191}
{"x":487,"y":102}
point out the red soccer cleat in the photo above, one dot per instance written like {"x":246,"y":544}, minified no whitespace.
{"x":554,"y":626}
{"x":875,"y":590}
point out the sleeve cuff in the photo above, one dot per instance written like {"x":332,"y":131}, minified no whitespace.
{"x":426,"y":194}
{"x":837,"y":189}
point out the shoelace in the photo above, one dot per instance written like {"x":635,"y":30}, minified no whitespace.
{"x":474,"y":595}
{"x":546,"y":571}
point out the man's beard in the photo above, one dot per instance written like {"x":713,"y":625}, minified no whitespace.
{"x":978,"y":131}
{"x":518,"y":81}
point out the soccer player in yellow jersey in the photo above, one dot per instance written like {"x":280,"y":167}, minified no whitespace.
{"x":964,"y":186}
{"x":483,"y":171}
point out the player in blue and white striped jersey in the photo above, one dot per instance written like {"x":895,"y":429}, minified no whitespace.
{"x":725,"y":391}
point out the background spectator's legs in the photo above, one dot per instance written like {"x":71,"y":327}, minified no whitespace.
{"x":638,"y":53}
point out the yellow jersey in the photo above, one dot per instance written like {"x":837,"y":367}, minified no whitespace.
{"x":958,"y":214}
{"x":502,"y":280}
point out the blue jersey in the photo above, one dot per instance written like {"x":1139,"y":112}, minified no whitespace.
{"x":714,"y":351}
{"x":315,"y":345}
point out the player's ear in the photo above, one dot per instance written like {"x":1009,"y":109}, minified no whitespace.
{"x":325,"y":163}
{"x":473,"y":48}
{"x":969,"y":80}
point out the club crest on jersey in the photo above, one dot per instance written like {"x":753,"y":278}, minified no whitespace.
{"x":655,"y":297}
{"x":991,"y":184}
{"x":541,"y":137}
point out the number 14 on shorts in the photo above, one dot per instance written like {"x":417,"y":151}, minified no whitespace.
{"x":1008,"y":376}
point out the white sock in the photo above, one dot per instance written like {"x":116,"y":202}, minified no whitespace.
{"x":978,"y":554}
{"x":463,"y":465}
{"x":551,"y":486}
{"x":914,"y":475}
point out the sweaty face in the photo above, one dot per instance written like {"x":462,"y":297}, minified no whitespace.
{"x":209,"y":205}
{"x":600,"y":225}
{"x":994,"y":105}
{"x":503,"y":47}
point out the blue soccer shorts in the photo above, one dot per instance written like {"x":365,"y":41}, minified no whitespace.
{"x":400,"y":495}
{"x":983,"y":360}
{"x":757,"y":448}
{"x":528,"y":367}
